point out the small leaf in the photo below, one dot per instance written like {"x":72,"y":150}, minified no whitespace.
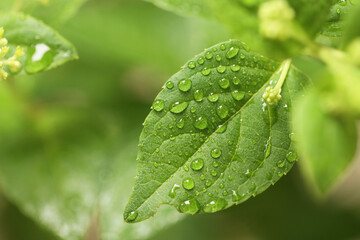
{"x":227,"y":148}
{"x":332,"y":32}
{"x":327,"y":143}
{"x":53,"y":12}
{"x":44,"y":48}
{"x":185,"y":7}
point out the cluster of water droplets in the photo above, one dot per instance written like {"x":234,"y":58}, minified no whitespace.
{"x":201,"y":123}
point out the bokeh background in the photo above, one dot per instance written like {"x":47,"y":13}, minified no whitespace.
{"x":68,"y":141}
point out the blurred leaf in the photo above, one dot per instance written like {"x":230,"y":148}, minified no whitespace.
{"x":185,"y":7}
{"x":211,"y":118}
{"x":352,"y":30}
{"x":327,"y":143}
{"x":52,"y":12}
{"x":311,"y":14}
{"x":44,"y":48}
{"x":332,"y":32}
{"x":141,"y":40}
{"x":77,"y":152}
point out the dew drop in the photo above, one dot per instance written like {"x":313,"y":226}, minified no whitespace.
{"x":221,"y":69}
{"x":186,"y":168}
{"x":236,"y":80}
{"x":179,"y":107}
{"x":268,"y":148}
{"x":222,"y":111}
{"x":193,"y":109}
{"x":233,"y":51}
{"x":222,"y":128}
{"x":223,"y":47}
{"x":235,"y":68}
{"x":208,"y":183}
{"x":213,"y":97}
{"x":197,"y":164}
{"x":192,"y":65}
{"x":280,"y":163}
{"x":206,"y":71}
{"x":172,"y":192}
{"x":169,"y":85}
{"x":198,"y":95}
{"x":215,"y":205}
{"x":214,"y":173}
{"x":224,"y":83}
{"x":180,"y":123}
{"x":39,"y":58}
{"x":201,"y":60}
{"x":242,"y":56}
{"x":190,"y":206}
{"x":158,"y":105}
{"x":218,"y":58}
{"x":238,"y":95}
{"x":291,"y":157}
{"x":209,"y":55}
{"x":216,"y":153}
{"x":188,"y":183}
{"x":201,"y":123}
{"x":132,"y":216}
{"x":184,"y":85}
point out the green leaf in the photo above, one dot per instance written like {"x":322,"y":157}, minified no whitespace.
{"x":327,"y":142}
{"x":332,"y":32}
{"x":211,"y":141}
{"x":351,"y":28}
{"x":44,"y":48}
{"x":52,"y":12}
{"x":185,"y":7}
{"x":70,"y":165}
{"x":311,"y":14}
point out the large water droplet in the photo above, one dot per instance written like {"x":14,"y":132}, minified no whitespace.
{"x":184,"y":85}
{"x":198,"y":95}
{"x":169,"y":85}
{"x":201,"y":123}
{"x":192,"y":65}
{"x":236,"y":80}
{"x":218,"y":58}
{"x":213,"y":97}
{"x":238,"y":95}
{"x":222,"y":111}
{"x":172,"y":192}
{"x":222,"y":47}
{"x":224,"y":83}
{"x":190,"y":206}
{"x":215,"y":205}
{"x":291,"y":157}
{"x":222,"y":128}
{"x":206,"y":71}
{"x":216,"y":153}
{"x":221,"y":69}
{"x":133,"y":215}
{"x":188,"y":183}
{"x":158,"y":105}
{"x":201,"y":60}
{"x":197,"y":164}
{"x":235,"y":68}
{"x":39,"y":58}
{"x":208,"y":55}
{"x":180,"y":123}
{"x":281,"y":163}
{"x":233,"y":51}
{"x":179,"y":107}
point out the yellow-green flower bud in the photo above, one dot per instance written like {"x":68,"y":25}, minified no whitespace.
{"x":276,"y":19}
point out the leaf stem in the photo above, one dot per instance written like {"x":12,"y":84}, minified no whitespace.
{"x":273,"y":94}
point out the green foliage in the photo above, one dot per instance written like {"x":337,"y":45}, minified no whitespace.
{"x":327,"y":142}
{"x":211,"y":140}
{"x":44,"y":48}
{"x":224,"y":128}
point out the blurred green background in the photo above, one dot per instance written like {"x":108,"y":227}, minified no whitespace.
{"x":69,"y":141}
